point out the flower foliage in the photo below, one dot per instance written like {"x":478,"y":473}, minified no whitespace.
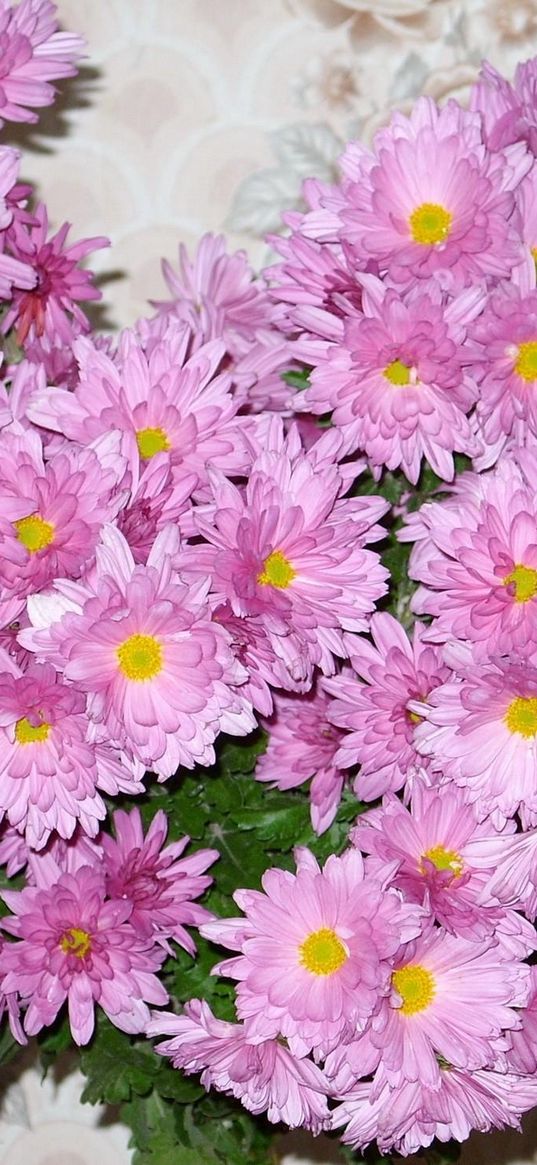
{"x":268,"y":649}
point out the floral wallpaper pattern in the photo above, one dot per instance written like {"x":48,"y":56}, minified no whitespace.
{"x":196,"y":115}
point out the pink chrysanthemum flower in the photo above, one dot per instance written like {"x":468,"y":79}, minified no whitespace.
{"x":504,"y":342}
{"x":476,"y":556}
{"x":13,"y":850}
{"x":302,"y":744}
{"x":258,"y":654}
{"x":507,"y":110}
{"x":14,"y":272}
{"x":431,"y":200}
{"x":264,"y":1076}
{"x":51,"y":308}
{"x":453,"y":999}
{"x":76,"y":946}
{"x":480,"y":730}
{"x":396,"y":383}
{"x":380,"y":725}
{"x":217,"y":295}
{"x":158,"y":671}
{"x":315,"y":950}
{"x":523,"y":1052}
{"x":155,"y":499}
{"x":32,"y":53}
{"x":52,"y":511}
{"x":514,"y":881}
{"x":159,"y":883}
{"x":288,"y":548}
{"x":409,"y":1117}
{"x":163,"y":400}
{"x":437,"y":844}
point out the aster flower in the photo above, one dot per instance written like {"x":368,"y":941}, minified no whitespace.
{"x":163,"y":400}
{"x":431,"y":200}
{"x":476,"y":556}
{"x":74,"y":946}
{"x":395,"y":382}
{"x":315,"y":950}
{"x":302,"y":744}
{"x":380,"y":724}
{"x":451,"y":998}
{"x":264,"y":1076}
{"x":507,"y":110}
{"x":51,"y":308}
{"x":480,"y":730}
{"x":217,"y":295}
{"x":158,"y":882}
{"x":159,"y":673}
{"x":52,"y":512}
{"x":33,"y":52}
{"x":437,"y":844}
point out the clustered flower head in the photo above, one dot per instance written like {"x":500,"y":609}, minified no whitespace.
{"x":186,"y":551}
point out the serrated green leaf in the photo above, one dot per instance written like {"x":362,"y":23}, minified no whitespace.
{"x":114,"y":1067}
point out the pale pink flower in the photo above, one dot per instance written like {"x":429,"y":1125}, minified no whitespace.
{"x":507,"y":110}
{"x":13,"y":850}
{"x":75,"y":946}
{"x":302,"y":744}
{"x":379,"y":722}
{"x":315,"y":950}
{"x":158,"y":882}
{"x":32,"y":54}
{"x":264,"y":1076}
{"x":266,"y":660}
{"x":523,"y":1052}
{"x":514,"y":881}
{"x":14,"y":271}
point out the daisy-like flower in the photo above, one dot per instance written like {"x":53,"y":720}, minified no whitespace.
{"x":158,"y":671}
{"x":52,"y":511}
{"x":264,"y":1076}
{"x":268,"y":662}
{"x":302,"y":744}
{"x":51,"y":307}
{"x":380,"y":724}
{"x":476,"y":556}
{"x":396,"y":383}
{"x":32,"y":54}
{"x":155,"y":878}
{"x":75,"y":946}
{"x":451,"y":998}
{"x":13,"y":850}
{"x":507,"y":110}
{"x":480,"y":730}
{"x":217,"y":295}
{"x":14,"y":272}
{"x":438,"y":846}
{"x":288,"y":548}
{"x":514,"y":881}
{"x":409,"y":1116}
{"x":315,"y":950}
{"x":431,"y":200}
{"x":155,"y":499}
{"x":163,"y":400}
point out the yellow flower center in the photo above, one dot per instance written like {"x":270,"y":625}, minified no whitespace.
{"x":277,"y":570}
{"x":521,"y":716}
{"x":151,"y":441}
{"x":526,"y":364}
{"x":416,"y":986}
{"x":524,"y":580}
{"x":76,"y":942}
{"x":444,"y":859}
{"x":397,"y":373}
{"x":34,"y":533}
{"x":140,"y":657}
{"x":430,"y":223}
{"x":26,"y":733}
{"x":322,"y":952}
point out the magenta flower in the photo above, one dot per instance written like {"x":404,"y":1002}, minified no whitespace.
{"x":155,"y":879}
{"x":75,"y":946}
{"x":32,"y":53}
{"x":51,"y":308}
{"x":264,"y":1076}
{"x":431,"y":200}
{"x":217,"y":295}
{"x":480,"y":730}
{"x":158,"y":671}
{"x":302,"y":744}
{"x":315,"y":950}
{"x":476,"y":557}
{"x":52,"y":512}
{"x":395,"y":382}
{"x":438,"y":846}
{"x":380,"y":724}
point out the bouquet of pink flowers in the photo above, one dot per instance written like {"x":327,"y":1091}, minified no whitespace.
{"x":268,"y":564}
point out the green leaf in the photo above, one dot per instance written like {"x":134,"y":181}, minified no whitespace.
{"x":114,"y":1067}
{"x":299,"y":379}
